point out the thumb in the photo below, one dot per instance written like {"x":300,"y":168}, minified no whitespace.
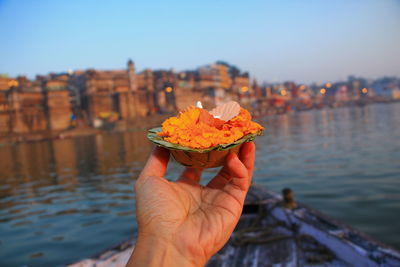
{"x":156,"y":164}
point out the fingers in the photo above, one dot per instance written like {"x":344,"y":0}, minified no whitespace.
{"x":156,"y":164}
{"x":248,"y":157}
{"x":221,"y":179}
{"x":234,"y":172}
{"x":191,"y":175}
{"x":237,"y":170}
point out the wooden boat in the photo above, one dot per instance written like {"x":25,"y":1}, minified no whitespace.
{"x":275,"y":231}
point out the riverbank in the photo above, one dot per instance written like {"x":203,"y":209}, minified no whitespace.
{"x":146,"y":123}
{"x":119,"y":126}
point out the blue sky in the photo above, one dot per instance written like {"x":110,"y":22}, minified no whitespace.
{"x":303,"y":41}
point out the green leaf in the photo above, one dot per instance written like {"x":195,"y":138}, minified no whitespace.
{"x":158,"y":140}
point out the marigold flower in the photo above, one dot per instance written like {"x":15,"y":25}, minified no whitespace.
{"x":197,"y":128}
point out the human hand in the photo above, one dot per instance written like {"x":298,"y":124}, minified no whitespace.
{"x":184,"y":223}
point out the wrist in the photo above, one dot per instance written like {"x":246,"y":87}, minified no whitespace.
{"x":155,"y":251}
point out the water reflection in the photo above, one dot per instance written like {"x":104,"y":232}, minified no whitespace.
{"x":345,"y":162}
{"x":64,"y":192}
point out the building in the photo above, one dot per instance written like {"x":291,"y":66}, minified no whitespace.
{"x":124,"y":92}
{"x":54,"y":101}
{"x":59,"y":111}
{"x":26,"y":111}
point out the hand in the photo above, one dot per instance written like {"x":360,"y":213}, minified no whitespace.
{"x":184,"y":223}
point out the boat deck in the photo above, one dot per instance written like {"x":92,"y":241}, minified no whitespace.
{"x":260,"y":239}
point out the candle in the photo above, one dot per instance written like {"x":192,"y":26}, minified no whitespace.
{"x":199,"y":105}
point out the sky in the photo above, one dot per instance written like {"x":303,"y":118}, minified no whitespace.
{"x":302,"y":41}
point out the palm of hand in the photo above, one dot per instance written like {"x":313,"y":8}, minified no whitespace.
{"x":197,"y":219}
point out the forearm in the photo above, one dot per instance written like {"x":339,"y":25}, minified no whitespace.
{"x":150,"y":251}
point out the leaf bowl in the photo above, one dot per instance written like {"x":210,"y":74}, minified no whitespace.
{"x":200,"y":158}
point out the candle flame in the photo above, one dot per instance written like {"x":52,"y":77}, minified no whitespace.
{"x":199,"y":105}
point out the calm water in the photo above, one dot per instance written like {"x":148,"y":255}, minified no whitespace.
{"x":64,"y":200}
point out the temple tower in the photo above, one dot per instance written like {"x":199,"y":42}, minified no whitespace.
{"x":132,"y":76}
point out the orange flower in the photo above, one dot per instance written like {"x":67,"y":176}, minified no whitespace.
{"x":197,"y":128}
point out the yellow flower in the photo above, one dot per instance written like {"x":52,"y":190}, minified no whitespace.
{"x":196,"y":128}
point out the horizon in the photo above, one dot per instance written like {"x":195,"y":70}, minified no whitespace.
{"x":275,"y":42}
{"x":252,"y":78}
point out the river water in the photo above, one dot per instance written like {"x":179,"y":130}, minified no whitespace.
{"x":63,"y":200}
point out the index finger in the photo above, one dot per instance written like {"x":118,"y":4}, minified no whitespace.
{"x":157,"y":163}
{"x":247,"y":155}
